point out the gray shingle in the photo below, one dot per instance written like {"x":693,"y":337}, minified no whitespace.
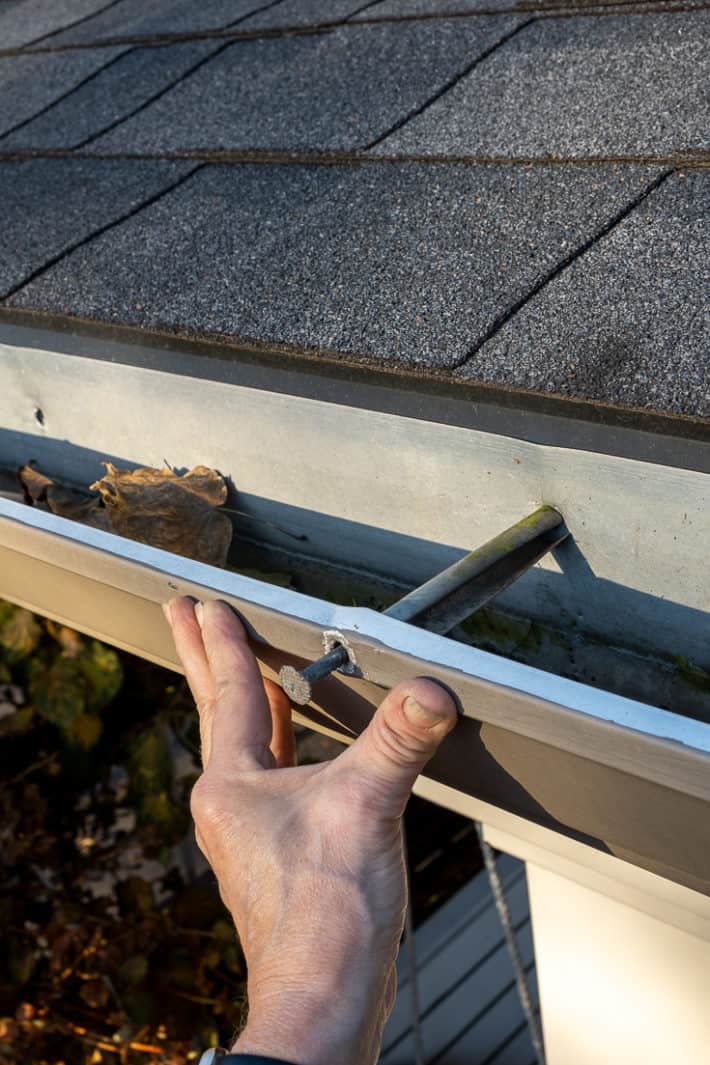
{"x":25,"y":22}
{"x":50,"y":204}
{"x":138,"y":18}
{"x":400,"y":263}
{"x":629,"y":321}
{"x":403,"y":8}
{"x":29,"y":83}
{"x":432,"y":7}
{"x":114,"y":93}
{"x":303,"y":13}
{"x":621,"y":84}
{"x":339,"y":89}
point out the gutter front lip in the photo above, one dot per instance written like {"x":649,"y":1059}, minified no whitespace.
{"x":558,"y":711}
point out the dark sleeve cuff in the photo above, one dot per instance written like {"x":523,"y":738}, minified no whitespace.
{"x":251,"y":1059}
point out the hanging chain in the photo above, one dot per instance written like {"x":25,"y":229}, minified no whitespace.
{"x":512,"y":943}
{"x":412,"y":961}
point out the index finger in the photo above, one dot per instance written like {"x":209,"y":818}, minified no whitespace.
{"x":241,"y":724}
{"x":189,"y":645}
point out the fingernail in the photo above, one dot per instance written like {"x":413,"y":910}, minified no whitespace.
{"x":199,"y":613}
{"x":449,"y":691}
{"x":418,"y":714}
{"x":167,"y":610}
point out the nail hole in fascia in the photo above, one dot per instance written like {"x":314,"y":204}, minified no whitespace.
{"x":39,"y":415}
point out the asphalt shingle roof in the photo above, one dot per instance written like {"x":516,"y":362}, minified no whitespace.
{"x":78,"y":198}
{"x":339,"y":257}
{"x":29,"y":21}
{"x":342,"y":89}
{"x":136,"y":18}
{"x":513,"y":198}
{"x":429,"y":7}
{"x":649,"y":348}
{"x":305,"y":13}
{"x":116,"y":90}
{"x":32,"y":84}
{"x":637,"y":84}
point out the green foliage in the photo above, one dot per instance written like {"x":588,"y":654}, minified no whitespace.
{"x":70,"y":682}
{"x":133,"y":970}
{"x":149,"y":763}
{"x":695,"y":676}
{"x":19,"y":633}
{"x":57,"y":691}
{"x":101,"y":669}
{"x":21,"y":960}
{"x":150,"y":773}
{"x":86,"y":730}
{"x":88,"y":794}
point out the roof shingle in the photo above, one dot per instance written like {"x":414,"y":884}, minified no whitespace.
{"x":138,"y":18}
{"x":77,"y":198}
{"x":510,"y":198}
{"x":402,"y":265}
{"x":340,"y":89}
{"x":29,"y":84}
{"x":617,"y":85}
{"x":627,"y":323}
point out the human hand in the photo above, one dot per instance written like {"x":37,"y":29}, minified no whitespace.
{"x":308,"y":859}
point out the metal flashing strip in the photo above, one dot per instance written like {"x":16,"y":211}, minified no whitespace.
{"x":643,"y":435}
{"x":519,"y":697}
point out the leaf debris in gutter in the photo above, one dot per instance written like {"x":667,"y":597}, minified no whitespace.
{"x":175,"y":512}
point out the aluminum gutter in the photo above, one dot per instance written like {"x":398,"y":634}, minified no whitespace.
{"x":631,"y":778}
{"x":396,"y":496}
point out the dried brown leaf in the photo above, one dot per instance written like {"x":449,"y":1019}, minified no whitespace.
{"x":202,"y":481}
{"x":34,"y":484}
{"x":173,"y":512}
{"x":68,"y":639}
{"x":77,"y":505}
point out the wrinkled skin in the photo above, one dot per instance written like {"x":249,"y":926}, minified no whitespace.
{"x":308,"y":859}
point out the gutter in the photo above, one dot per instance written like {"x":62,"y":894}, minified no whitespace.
{"x":551,"y":738}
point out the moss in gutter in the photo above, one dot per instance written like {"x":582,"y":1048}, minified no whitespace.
{"x":502,"y":633}
{"x":671,"y":681}
{"x":695,"y":676}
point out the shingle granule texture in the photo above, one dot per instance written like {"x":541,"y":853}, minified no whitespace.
{"x":339,"y":89}
{"x":396,"y":263}
{"x":439,"y":8}
{"x":432,"y":7}
{"x":29,"y":20}
{"x":115,"y":92}
{"x":616,"y":85}
{"x":629,"y":321}
{"x":50,"y":204}
{"x":29,"y":83}
{"x":303,"y":13}
{"x":141,"y":18}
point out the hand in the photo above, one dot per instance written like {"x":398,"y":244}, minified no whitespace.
{"x":308,"y":859}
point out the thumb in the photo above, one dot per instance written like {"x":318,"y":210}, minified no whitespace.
{"x":406,"y":730}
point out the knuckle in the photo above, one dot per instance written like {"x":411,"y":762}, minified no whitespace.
{"x":206,"y":706}
{"x":399,"y":745}
{"x":207,"y":806}
{"x":223,"y":687}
